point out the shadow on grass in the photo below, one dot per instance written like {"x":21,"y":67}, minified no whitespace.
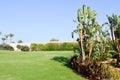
{"x":65,"y":61}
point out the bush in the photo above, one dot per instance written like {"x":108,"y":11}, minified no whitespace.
{"x":23,"y":48}
{"x":92,"y":69}
{"x":54,"y":47}
{"x":6,"y":47}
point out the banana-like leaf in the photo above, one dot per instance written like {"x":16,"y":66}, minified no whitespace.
{"x":109,"y":19}
{"x":88,"y":10}
{"x":85,"y":11}
{"x":74,"y":31}
{"x":91,"y":13}
{"x":80,"y":16}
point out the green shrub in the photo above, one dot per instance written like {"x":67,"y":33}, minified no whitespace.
{"x":18,"y":46}
{"x":6,"y":47}
{"x":23,"y":48}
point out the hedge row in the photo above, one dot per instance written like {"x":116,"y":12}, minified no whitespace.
{"x":66,"y":46}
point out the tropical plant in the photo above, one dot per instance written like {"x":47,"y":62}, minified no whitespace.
{"x":88,"y":29}
{"x":94,"y":41}
{"x":114,"y":23}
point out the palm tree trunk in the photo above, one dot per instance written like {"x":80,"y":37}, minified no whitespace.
{"x":82,"y":46}
{"x":119,"y":47}
{"x":112,"y":34}
{"x":117,"y":40}
{"x":10,"y":39}
{"x":3,"y":42}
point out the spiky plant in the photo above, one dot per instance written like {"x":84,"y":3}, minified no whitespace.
{"x":11,"y":35}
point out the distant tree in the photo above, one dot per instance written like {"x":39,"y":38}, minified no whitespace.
{"x":20,"y":41}
{"x":53,"y":39}
{"x":11,"y":35}
{"x":3,"y":39}
{"x":6,"y":37}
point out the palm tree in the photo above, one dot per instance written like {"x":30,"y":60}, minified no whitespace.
{"x":3,"y":39}
{"x":11,"y":35}
{"x":6,"y":37}
{"x":114,"y":23}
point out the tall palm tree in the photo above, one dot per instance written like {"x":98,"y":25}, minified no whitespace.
{"x":11,"y":35}
{"x":114,"y":23}
{"x":6,"y":37}
{"x":3,"y":39}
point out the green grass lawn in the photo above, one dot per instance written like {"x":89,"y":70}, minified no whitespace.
{"x":50,"y":65}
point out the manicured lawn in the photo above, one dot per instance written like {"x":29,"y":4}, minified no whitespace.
{"x":36,"y":66}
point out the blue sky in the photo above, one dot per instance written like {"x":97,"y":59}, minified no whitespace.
{"x":42,"y":20}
